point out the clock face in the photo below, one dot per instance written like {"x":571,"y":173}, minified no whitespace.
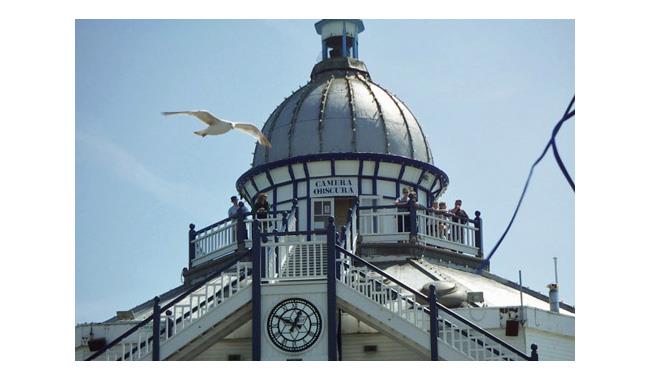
{"x":294,"y":325}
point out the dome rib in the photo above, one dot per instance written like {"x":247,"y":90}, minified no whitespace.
{"x":340,"y":110}
{"x":321,"y":114}
{"x":296,"y":110}
{"x":408,"y":127}
{"x":381,"y":115}
{"x":274,"y":118}
{"x":353,"y":118}
{"x":424,"y":137}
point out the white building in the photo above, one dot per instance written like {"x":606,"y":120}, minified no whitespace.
{"x":336,"y":270}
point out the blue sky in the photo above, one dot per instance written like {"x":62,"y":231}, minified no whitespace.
{"x":487,"y":94}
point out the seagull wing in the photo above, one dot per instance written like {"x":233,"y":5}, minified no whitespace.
{"x":253,"y":131}
{"x":204,"y":116}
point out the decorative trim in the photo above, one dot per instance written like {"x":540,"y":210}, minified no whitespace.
{"x":424,"y":138}
{"x":408,"y":128}
{"x":353,"y":118}
{"x":376,"y":157}
{"x":321,"y":113}
{"x":381,"y":114}
{"x":278,"y":111}
{"x":308,"y":87}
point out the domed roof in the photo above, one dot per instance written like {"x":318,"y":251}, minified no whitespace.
{"x":342,"y":111}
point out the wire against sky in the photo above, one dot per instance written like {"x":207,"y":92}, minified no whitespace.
{"x":568,"y":114}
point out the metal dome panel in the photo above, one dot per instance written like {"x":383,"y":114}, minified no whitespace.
{"x":341,"y":110}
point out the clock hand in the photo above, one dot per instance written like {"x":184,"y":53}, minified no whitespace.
{"x":293,"y":324}
{"x":286,"y":320}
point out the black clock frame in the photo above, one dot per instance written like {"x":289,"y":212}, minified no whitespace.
{"x":288,"y":313}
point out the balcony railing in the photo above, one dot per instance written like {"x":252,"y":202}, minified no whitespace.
{"x":417,"y":224}
{"x":226,"y":236}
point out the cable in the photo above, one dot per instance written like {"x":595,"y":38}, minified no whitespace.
{"x":567,"y":115}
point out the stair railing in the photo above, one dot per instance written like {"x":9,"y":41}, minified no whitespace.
{"x":453,"y":329}
{"x":182,"y":315}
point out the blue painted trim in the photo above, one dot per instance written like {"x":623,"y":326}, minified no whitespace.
{"x":398,"y":183}
{"x":421,"y":177}
{"x":294,"y":183}
{"x":304,"y":166}
{"x":374,"y":179}
{"x":377,"y":157}
{"x":359,"y":178}
{"x":435,"y":182}
{"x":268,"y":176}
{"x":275,"y":196}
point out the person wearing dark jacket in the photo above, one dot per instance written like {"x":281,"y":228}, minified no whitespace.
{"x":459,"y":216}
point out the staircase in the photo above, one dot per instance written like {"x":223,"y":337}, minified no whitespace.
{"x":392,"y":307}
{"x":200,"y":310}
{"x":211,"y":310}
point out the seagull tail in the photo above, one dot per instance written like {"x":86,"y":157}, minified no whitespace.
{"x":265,"y":141}
{"x":200,"y":133}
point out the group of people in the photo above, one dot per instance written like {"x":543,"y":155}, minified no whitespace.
{"x":439,"y":228}
{"x":260,"y":208}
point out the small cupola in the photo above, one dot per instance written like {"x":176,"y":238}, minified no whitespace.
{"x":340,"y":38}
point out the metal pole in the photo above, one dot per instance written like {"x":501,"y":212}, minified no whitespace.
{"x":478,"y":234}
{"x":331,"y":291}
{"x":192,"y":248}
{"x":433,"y":322}
{"x":555,"y":263}
{"x":155,"y":350}
{"x":257,"y":292}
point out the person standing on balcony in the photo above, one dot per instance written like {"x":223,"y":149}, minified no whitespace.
{"x":403,"y":222}
{"x":232,"y":211}
{"x":261,"y":209}
{"x":441,"y":214}
{"x":459,"y":216}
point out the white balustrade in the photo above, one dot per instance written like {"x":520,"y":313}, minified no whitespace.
{"x":453,"y":331}
{"x":184,"y":313}
{"x":392,"y":225}
{"x":294,"y":258}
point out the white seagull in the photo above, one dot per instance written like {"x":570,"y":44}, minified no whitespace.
{"x":217,"y":126}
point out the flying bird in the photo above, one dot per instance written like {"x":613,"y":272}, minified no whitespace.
{"x":217,"y":126}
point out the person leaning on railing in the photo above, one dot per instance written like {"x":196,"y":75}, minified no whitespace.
{"x":403,"y":222}
{"x":458,"y":216}
{"x":261,"y":209}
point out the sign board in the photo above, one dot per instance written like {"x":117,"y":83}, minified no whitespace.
{"x":333,"y":187}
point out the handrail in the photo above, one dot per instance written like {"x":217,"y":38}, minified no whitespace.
{"x":191,"y":290}
{"x":440,"y":306}
{"x":421,"y":208}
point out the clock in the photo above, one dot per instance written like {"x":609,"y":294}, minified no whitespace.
{"x":294,"y":325}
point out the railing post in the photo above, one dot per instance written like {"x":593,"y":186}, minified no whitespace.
{"x":343,"y":237}
{"x":331,"y":291}
{"x":433,"y":322}
{"x":412,"y":220}
{"x":478,"y":234}
{"x":284,"y":220}
{"x":242,"y":234}
{"x":294,"y":209}
{"x":257,"y":292}
{"x":533,"y":354}
{"x":192,"y":247}
{"x":155,"y":349}
{"x":276,"y":253}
